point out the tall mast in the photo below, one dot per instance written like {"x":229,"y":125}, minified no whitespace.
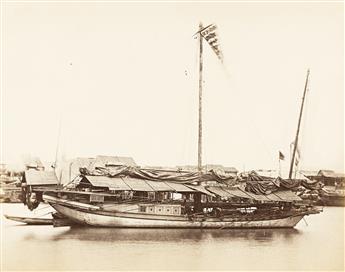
{"x":298,"y":126}
{"x":200,"y":100}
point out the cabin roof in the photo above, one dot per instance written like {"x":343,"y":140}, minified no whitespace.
{"x":200,"y":189}
{"x":102,"y":181}
{"x":281,"y":195}
{"x":136,"y":184}
{"x":235,"y":191}
{"x":180,"y":187}
{"x":287,"y":195}
{"x":34,"y":177}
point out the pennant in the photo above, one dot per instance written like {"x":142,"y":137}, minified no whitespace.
{"x":210,"y":35}
{"x":281,"y":156}
{"x":296,"y":160}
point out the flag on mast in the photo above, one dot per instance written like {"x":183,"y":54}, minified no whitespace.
{"x":210,"y":35}
{"x":297,"y":158}
{"x":281,"y":156}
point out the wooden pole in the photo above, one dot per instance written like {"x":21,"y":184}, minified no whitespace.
{"x":298,"y":126}
{"x":280,"y":169}
{"x":200,"y":100}
{"x":197,"y":196}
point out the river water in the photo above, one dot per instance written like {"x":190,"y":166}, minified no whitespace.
{"x":315,"y":244}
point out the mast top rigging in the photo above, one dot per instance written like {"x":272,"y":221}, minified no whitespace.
{"x":209,"y":34}
{"x":298,"y":126}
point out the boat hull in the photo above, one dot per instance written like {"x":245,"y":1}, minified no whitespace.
{"x":133,"y":220}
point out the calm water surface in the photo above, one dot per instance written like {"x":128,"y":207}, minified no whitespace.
{"x":317,"y":244}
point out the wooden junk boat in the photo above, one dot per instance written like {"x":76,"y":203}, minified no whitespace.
{"x":122,"y":195}
{"x":131,"y":196}
{"x":127,"y":196}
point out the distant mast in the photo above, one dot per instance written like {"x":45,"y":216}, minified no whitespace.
{"x":200,"y":100}
{"x":298,"y":126}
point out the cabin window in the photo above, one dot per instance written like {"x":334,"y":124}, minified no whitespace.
{"x":151,"y":195}
{"x":142,"y":209}
{"x":178,"y":196}
{"x":96,"y":198}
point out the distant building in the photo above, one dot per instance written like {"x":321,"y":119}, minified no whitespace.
{"x":329,"y":178}
{"x":208,"y":167}
{"x":34,"y":163}
{"x":3,"y":168}
{"x":68,"y":170}
{"x":308,"y":173}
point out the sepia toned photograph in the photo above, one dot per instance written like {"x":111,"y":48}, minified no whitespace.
{"x":172,"y":136}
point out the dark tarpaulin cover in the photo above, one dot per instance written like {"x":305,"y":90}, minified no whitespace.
{"x":253,"y":176}
{"x":264,"y":187}
{"x":312,"y":185}
{"x":255,"y":184}
{"x":290,"y":183}
{"x":159,"y":175}
{"x":260,"y":185}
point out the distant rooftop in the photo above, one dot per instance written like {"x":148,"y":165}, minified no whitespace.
{"x":330,"y":174}
{"x":209,"y":167}
{"x":103,"y":161}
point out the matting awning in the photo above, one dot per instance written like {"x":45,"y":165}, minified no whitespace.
{"x":179,"y":187}
{"x":138,"y":184}
{"x":160,"y":186}
{"x":236,"y":192}
{"x":110,"y":183}
{"x":218,"y":191}
{"x":256,"y":197}
{"x":281,"y":196}
{"x":135,"y":184}
{"x":200,"y":189}
{"x":287,"y":196}
{"x":273,"y":197}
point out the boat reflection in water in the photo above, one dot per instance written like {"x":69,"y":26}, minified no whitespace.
{"x":175,"y":235}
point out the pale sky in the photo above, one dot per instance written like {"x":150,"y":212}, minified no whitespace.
{"x":123,"y":80}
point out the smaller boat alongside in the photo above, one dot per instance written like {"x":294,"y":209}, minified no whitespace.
{"x":30,"y":220}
